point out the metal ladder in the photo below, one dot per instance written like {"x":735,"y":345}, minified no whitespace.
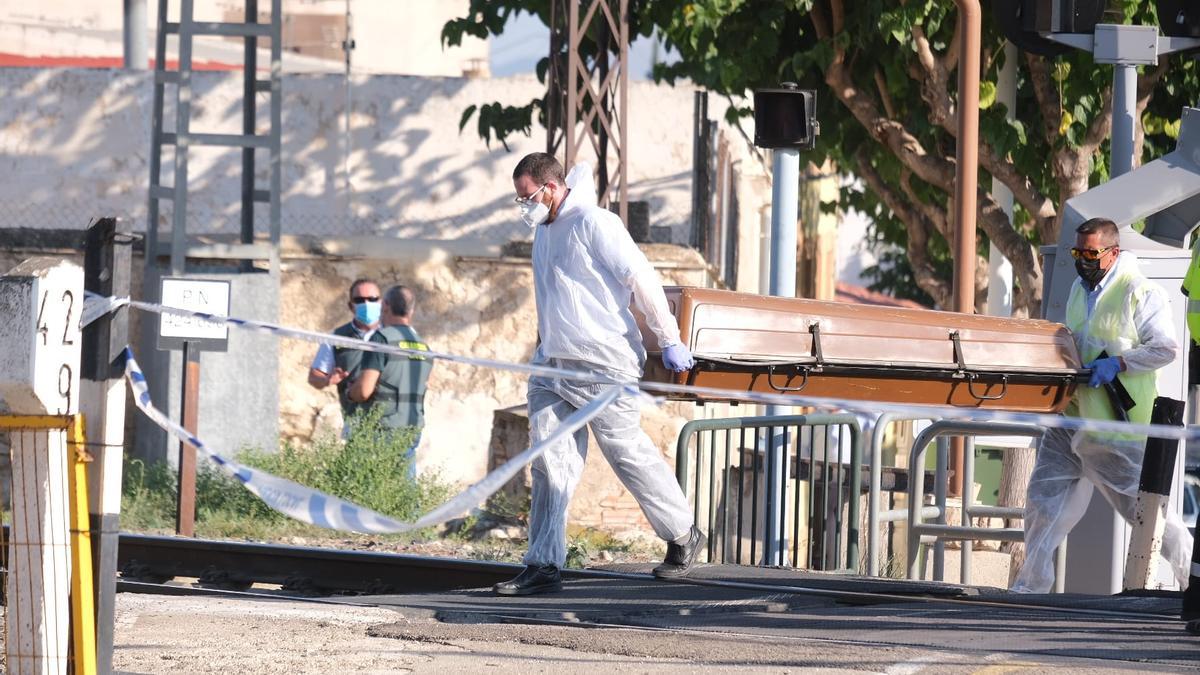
{"x":183,"y":138}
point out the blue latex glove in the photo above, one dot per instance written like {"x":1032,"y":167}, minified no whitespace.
{"x":1104,"y":371}
{"x":677,"y":358}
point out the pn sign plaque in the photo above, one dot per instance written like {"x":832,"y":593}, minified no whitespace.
{"x":198,"y":295}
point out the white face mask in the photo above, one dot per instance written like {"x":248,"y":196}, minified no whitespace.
{"x":534,"y":214}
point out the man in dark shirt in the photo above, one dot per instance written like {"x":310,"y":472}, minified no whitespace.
{"x":394,"y":382}
{"x":339,"y":366}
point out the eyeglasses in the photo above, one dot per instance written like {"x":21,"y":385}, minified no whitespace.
{"x":1090,"y":253}
{"x":529,"y":200}
{"x":360,"y":299}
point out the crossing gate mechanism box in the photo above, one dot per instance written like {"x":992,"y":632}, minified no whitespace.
{"x":745,"y":342}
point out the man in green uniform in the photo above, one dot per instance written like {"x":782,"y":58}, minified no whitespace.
{"x":394,"y":382}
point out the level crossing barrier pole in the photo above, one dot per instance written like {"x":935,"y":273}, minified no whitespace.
{"x":1154,"y":487}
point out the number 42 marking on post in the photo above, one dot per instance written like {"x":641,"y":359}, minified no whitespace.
{"x":44,"y":328}
{"x":64,"y":372}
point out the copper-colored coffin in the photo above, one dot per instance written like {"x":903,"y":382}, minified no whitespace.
{"x":745,"y":342}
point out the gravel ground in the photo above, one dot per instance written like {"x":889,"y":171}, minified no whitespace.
{"x":179,"y":634}
{"x":166,"y":634}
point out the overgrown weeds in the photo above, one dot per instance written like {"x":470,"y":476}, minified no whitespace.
{"x":370,"y":468}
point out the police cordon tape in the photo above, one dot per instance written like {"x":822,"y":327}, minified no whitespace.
{"x":317,"y":508}
{"x":96,"y":306}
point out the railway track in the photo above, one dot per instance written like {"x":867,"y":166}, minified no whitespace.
{"x":237,"y":566}
{"x":148,"y":562}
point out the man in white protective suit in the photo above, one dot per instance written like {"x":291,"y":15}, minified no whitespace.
{"x":586,"y":269}
{"x":1112,"y":308}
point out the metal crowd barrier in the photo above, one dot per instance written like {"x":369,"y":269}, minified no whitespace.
{"x":734,"y":512}
{"x":939,"y":531}
{"x":876,"y":516}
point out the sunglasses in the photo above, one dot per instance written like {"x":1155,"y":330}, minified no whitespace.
{"x":360,"y":299}
{"x":1090,"y":253}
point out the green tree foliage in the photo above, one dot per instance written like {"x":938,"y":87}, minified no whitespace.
{"x":886,"y":74}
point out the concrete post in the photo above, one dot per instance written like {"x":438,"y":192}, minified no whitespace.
{"x":785,"y":185}
{"x":40,"y":300}
{"x":108,"y":266}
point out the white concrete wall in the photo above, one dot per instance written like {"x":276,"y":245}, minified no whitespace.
{"x":406,"y":37}
{"x":392,"y":37}
{"x":75,"y":144}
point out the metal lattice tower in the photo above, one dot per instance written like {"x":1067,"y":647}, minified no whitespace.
{"x":588,"y":90}
{"x":183,"y":138}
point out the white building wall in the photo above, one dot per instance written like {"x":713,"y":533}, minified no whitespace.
{"x":392,"y":36}
{"x":74,"y":144}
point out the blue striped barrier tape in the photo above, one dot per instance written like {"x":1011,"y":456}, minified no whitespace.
{"x":323,"y":510}
{"x":96,"y":306}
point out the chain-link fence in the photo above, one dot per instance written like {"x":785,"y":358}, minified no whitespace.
{"x":76,"y":143}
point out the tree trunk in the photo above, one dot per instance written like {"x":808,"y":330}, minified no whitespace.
{"x":816,"y":259}
{"x":1014,"y":483}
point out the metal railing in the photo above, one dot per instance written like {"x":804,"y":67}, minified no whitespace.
{"x":919,"y":530}
{"x":821,"y":472}
{"x":876,"y":516}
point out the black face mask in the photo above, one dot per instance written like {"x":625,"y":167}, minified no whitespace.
{"x":1089,"y":271}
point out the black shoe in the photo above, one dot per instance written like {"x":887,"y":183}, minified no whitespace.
{"x":681,"y":557}
{"x":533,"y":580}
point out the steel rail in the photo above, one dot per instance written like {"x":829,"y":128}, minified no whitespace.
{"x":158,"y":558}
{"x":147,"y":557}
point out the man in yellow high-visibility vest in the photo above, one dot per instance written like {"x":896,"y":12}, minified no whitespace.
{"x":1112,"y":308}
{"x":1191,"y":291}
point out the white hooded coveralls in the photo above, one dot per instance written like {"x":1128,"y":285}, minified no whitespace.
{"x":586,"y":268}
{"x":1071,"y":464}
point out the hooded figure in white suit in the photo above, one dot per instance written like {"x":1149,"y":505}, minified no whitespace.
{"x":586,"y":270}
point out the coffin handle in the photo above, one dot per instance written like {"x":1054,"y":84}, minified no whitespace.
{"x":784,"y":390}
{"x":984,"y":397}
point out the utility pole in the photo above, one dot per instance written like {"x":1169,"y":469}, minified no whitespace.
{"x":966,"y":181}
{"x":785,"y":122}
{"x":348,"y":50}
{"x":785,"y":188}
{"x":134,"y":36}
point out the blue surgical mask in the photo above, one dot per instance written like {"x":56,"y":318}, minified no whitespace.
{"x":367,"y":313}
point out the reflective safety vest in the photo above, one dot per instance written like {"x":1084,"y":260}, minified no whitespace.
{"x":401,"y":386}
{"x":1111,"y":329}
{"x":1191,"y":290}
